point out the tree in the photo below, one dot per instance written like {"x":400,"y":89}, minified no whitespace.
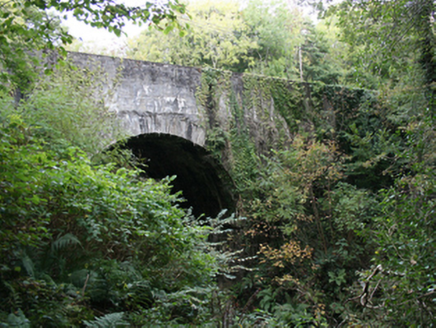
{"x":261,"y":38}
{"x":391,"y":36}
{"x":395,"y":42}
{"x":217,"y":38}
{"x":317,"y":63}
{"x":112,"y":15}
{"x":26,"y":27}
{"x":23,"y":29}
{"x":277,"y":29}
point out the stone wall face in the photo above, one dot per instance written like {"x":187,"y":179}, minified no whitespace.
{"x":150,"y":97}
{"x":159,"y":98}
{"x":223,"y":115}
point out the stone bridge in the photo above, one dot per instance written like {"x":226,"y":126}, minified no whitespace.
{"x":158,"y":98}
{"x":178,"y":116}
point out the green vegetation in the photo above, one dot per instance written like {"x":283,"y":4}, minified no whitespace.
{"x":82,"y":241}
{"x":270,"y":38}
{"x":26,"y":26}
{"x":338,"y":194}
{"x":218,"y":37}
{"x":85,"y":240}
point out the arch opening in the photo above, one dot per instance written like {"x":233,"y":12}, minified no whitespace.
{"x":204,"y":183}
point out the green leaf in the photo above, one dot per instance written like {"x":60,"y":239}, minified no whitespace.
{"x":168,"y":29}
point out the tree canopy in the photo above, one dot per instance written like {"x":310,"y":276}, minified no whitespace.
{"x":259,"y":37}
{"x":27,"y":26}
{"x":217,"y":37}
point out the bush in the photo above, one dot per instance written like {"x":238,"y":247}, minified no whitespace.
{"x":84,"y":240}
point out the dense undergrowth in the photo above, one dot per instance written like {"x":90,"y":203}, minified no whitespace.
{"x":336,"y":231}
{"x":79,"y":240}
{"x":340,"y":212}
{"x":85,"y":243}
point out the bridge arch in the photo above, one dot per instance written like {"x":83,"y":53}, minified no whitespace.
{"x":168,"y":122}
{"x":205,"y":184}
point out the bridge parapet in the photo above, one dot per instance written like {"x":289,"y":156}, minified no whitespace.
{"x":205,"y":105}
{"x":151,"y":97}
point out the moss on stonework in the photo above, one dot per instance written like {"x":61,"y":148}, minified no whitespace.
{"x":250,"y":115}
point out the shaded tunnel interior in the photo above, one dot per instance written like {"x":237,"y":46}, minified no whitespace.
{"x":204,"y":183}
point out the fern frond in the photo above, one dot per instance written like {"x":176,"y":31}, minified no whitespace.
{"x":14,"y":295}
{"x":27,"y":264}
{"x":18,"y":320}
{"x":111,"y":320}
{"x":65,"y":240}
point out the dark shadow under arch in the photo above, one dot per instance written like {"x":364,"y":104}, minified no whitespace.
{"x":205,"y":184}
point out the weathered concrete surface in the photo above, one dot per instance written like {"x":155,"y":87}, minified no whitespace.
{"x":158,"y":98}
{"x":150,"y":97}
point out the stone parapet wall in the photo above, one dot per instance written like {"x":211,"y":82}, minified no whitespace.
{"x":150,"y":97}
